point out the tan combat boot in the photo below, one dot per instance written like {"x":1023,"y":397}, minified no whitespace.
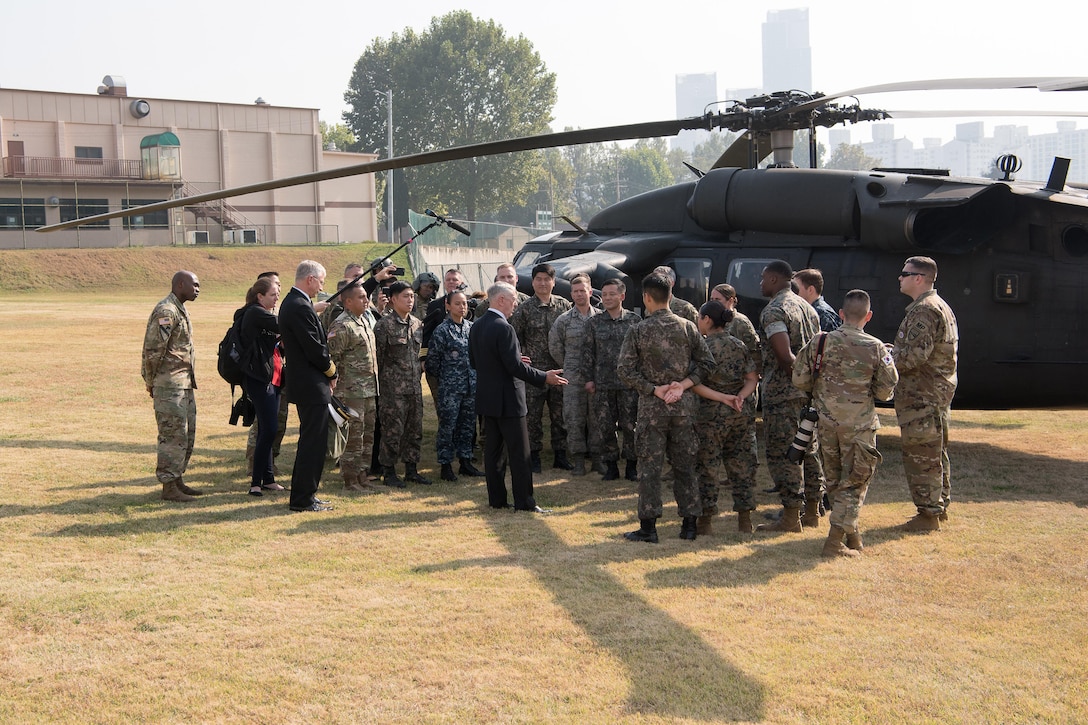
{"x":171,"y":492}
{"x":704,"y":524}
{"x":790,"y":521}
{"x":811,"y":518}
{"x":833,"y":546}
{"x":923,"y":522}
{"x":187,"y":490}
{"x":744,"y":522}
{"x":854,"y":541}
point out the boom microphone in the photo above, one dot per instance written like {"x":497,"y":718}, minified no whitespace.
{"x":452,"y":225}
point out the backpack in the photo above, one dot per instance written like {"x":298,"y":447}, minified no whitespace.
{"x":230,"y":356}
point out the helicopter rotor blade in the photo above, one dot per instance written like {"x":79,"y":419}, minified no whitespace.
{"x":652,"y":129}
{"x":969,"y":113}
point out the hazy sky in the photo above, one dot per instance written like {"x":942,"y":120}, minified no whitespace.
{"x":613,"y":67}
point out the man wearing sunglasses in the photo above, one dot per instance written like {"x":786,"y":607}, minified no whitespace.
{"x":925,"y":351}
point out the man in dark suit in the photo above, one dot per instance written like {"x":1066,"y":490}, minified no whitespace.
{"x":501,"y":374}
{"x":311,"y":378}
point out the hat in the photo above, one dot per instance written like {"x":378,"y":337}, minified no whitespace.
{"x":425,"y":278}
{"x":396,"y":288}
{"x":340,"y":413}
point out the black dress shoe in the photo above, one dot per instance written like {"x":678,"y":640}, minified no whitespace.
{"x":534,"y":510}
{"x":315,"y":506}
{"x":319,"y":502}
{"x":467,"y":469}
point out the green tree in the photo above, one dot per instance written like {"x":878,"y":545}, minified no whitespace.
{"x":463,"y":81}
{"x":340,"y":135}
{"x":800,"y":151}
{"x":851,"y":157}
{"x":643,"y":167}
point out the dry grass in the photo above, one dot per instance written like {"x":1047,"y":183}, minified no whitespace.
{"x":425,"y":606}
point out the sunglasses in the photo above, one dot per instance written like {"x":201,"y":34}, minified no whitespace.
{"x":911,"y":274}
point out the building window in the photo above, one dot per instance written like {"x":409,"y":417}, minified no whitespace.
{"x":151,"y":220}
{"x":22,"y":213}
{"x":88,"y":152}
{"x":71,"y":209}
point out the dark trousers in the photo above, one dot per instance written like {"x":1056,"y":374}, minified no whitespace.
{"x":313,"y":435}
{"x":510,"y":434}
{"x":266,"y":402}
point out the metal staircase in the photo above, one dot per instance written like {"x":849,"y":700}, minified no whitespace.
{"x":218,"y":211}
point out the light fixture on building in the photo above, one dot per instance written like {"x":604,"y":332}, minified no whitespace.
{"x":139,"y":108}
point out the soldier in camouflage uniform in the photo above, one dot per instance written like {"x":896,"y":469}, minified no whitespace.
{"x":787,"y":324}
{"x":398,"y":337}
{"x":727,"y":429}
{"x":855,"y":369}
{"x":447,"y":359}
{"x":353,"y":350}
{"x":565,"y":341}
{"x":615,"y":406}
{"x":679,"y":307}
{"x":741,"y":327}
{"x":661,"y":358}
{"x":505,"y":272}
{"x":925,"y":351}
{"x":425,"y":285}
{"x":532,"y":322}
{"x":167,"y":370}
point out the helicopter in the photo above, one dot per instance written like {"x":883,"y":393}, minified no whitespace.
{"x":1012,"y":255}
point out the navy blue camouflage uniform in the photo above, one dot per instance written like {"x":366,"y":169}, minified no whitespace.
{"x":447,"y":360}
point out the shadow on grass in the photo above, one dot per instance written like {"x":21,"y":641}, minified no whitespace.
{"x":96,"y":446}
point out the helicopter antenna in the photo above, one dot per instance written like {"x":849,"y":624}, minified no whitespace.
{"x":576,"y":225}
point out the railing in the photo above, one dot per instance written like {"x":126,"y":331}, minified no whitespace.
{"x":39,"y":167}
{"x":219,"y":211}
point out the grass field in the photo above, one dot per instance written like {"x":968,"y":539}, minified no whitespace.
{"x":424,"y":605}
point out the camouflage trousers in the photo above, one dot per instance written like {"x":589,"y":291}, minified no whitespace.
{"x":535,"y":398}
{"x":456,"y":421}
{"x":796,"y":483}
{"x":281,"y":428}
{"x":577,"y":414}
{"x":925,"y":457}
{"x":402,"y":428}
{"x":614,"y":413}
{"x":655,"y":437}
{"x":728,"y":443}
{"x":175,"y":414}
{"x":850,"y":459}
{"x":358,"y":438}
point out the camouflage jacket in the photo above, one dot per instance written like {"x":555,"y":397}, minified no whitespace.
{"x":532,"y":322}
{"x":398,"y":343}
{"x":856,"y":369}
{"x":447,"y":357}
{"x":169,"y":356}
{"x":684,"y":309}
{"x":661,"y":349}
{"x":925,"y":351}
{"x":732,"y":363}
{"x":352,"y":349}
{"x":566,"y":340}
{"x":601,"y":348}
{"x":788,"y":313}
{"x":743,"y":329}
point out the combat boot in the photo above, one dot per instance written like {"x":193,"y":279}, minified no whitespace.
{"x":413,"y":476}
{"x":833,"y":546}
{"x":689,"y":528}
{"x":562,"y":463}
{"x":789,"y":522}
{"x":171,"y":492}
{"x":704,"y":525}
{"x":612,"y":471}
{"x":599,"y":465}
{"x":647,"y":531}
{"x":447,"y":472}
{"x":534,"y":461}
{"x":467,"y":469}
{"x":811,"y":517}
{"x":187,"y":490}
{"x":390,"y":478}
{"x":579,"y":467}
{"x":631,"y":474}
{"x":924,"y":522}
{"x":853,"y":540}
{"x":744,"y":522}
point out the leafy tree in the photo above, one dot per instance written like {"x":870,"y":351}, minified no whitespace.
{"x":339,"y":134}
{"x":851,"y":157}
{"x":462,"y":81}
{"x":643,"y":167}
{"x":800,"y":151}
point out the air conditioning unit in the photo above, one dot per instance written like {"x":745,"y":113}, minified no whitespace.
{"x":196,"y":237}
{"x":245,"y":236}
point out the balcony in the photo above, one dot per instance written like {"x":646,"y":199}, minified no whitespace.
{"x":47,"y":167}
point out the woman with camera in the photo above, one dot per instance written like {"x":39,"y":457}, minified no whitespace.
{"x":263,"y":368}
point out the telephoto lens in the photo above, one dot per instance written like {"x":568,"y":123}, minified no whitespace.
{"x":803,"y":438}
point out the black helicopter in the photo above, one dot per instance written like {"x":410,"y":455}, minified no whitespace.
{"x":1013,"y":256}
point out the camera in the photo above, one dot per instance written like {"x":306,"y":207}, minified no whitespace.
{"x":803,"y":438}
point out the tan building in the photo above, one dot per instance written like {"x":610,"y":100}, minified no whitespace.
{"x":70,"y":155}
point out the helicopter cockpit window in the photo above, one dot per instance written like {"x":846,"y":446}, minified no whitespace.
{"x":692,"y":279}
{"x":525,"y":260}
{"x":745,"y":275}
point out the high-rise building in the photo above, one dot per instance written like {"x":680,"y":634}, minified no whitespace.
{"x":693,"y":92}
{"x":787,"y":56}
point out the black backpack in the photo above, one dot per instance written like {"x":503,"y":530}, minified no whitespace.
{"x":230,"y":356}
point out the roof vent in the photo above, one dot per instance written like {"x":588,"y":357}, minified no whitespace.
{"x":113,"y":86}
{"x":261,"y":102}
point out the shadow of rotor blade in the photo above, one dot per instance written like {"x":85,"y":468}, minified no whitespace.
{"x":672,"y":671}
{"x":653,"y":129}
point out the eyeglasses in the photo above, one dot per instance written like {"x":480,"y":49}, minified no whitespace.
{"x":911,"y":274}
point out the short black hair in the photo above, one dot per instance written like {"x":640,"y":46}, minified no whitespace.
{"x":545,"y":268}
{"x":658,"y":286}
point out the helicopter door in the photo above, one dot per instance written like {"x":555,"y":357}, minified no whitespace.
{"x":745,"y":274}
{"x":692,"y":279}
